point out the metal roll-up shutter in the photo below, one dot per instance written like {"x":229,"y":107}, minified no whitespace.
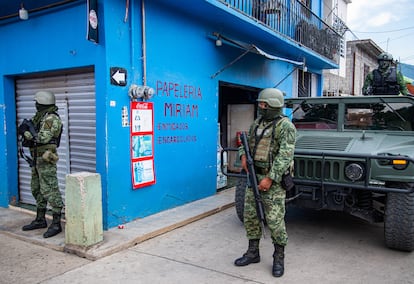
{"x":75,"y":97}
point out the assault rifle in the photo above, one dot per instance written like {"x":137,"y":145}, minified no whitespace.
{"x":27,"y":125}
{"x":252,"y":181}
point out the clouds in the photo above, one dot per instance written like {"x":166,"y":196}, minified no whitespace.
{"x":386,"y":23}
{"x":366,"y":14}
{"x":380,"y":20}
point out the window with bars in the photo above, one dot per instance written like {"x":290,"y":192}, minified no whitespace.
{"x":304,"y":84}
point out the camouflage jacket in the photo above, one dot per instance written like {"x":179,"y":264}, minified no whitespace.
{"x":281,"y":150}
{"x":49,"y":130}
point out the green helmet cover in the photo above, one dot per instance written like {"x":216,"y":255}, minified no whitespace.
{"x":385,"y":56}
{"x":45,"y":98}
{"x":272,"y":96}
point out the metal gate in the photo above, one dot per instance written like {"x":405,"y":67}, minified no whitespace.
{"x":75,"y":97}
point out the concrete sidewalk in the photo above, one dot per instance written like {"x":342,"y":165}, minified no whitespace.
{"x":12,"y":219}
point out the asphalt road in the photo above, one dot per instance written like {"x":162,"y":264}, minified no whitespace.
{"x":324,"y":247}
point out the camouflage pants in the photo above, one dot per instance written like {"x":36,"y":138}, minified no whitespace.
{"x":274,"y":206}
{"x":45,"y":186}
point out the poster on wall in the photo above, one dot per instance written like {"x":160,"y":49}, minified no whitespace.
{"x":142,"y":144}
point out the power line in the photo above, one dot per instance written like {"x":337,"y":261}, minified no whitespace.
{"x":409,"y":57}
{"x":395,"y":38}
{"x":391,"y":31}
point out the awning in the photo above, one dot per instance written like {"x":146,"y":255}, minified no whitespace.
{"x":248,"y":47}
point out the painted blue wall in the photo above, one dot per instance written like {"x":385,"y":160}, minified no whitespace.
{"x":4,"y":182}
{"x":185,"y":158}
{"x":48,"y":42}
{"x":185,"y":170}
{"x":8,"y":172}
{"x":181,"y":58}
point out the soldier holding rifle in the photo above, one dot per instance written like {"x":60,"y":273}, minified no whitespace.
{"x":42,"y":135}
{"x":271,"y":141}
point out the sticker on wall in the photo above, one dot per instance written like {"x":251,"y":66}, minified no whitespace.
{"x":142,"y":144}
{"x":125,"y":120}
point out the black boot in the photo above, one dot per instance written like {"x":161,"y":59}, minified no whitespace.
{"x":54,"y":228}
{"x":251,"y":256}
{"x":278,"y":261}
{"x":38,"y":223}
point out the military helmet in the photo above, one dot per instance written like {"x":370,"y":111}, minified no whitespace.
{"x":385,"y":56}
{"x":45,"y":98}
{"x":272,"y":96}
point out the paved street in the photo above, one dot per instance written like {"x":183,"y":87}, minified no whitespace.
{"x":26,"y":263}
{"x":324,"y":247}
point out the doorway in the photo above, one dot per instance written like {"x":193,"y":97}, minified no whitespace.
{"x":75,"y":98}
{"x":237,"y":110}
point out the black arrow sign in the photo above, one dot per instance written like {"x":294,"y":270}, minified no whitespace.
{"x":118,"y":76}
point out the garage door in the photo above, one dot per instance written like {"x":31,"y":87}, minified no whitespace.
{"x":75,"y":97}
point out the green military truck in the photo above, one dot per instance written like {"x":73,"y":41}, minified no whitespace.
{"x":356,"y":155}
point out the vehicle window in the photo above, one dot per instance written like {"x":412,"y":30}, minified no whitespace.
{"x":315,"y":116}
{"x":379,"y":116}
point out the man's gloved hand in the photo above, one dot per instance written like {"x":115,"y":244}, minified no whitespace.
{"x":28,"y":135}
{"x":50,"y":157}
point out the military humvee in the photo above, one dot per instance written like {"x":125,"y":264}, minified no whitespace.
{"x":356,"y":155}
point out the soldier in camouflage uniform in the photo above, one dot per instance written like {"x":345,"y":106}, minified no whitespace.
{"x":385,"y":80}
{"x":272,"y":139}
{"x":44,"y":182}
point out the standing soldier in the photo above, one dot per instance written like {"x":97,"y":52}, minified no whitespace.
{"x":272,"y":139}
{"x":44,"y":140}
{"x":385,"y":80}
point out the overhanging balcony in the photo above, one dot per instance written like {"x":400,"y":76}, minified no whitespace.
{"x":294,"y":20}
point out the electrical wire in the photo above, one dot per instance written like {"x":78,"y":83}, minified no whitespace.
{"x":52,"y":5}
{"x":390,"y":31}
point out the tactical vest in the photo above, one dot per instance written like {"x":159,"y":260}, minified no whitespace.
{"x":54,"y":140}
{"x":387,"y":84}
{"x":262,"y":142}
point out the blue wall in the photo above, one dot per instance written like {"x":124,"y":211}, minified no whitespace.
{"x":4,"y":182}
{"x":181,"y":58}
{"x":43,"y":43}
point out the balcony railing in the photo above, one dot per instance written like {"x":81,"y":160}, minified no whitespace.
{"x":293,"y":19}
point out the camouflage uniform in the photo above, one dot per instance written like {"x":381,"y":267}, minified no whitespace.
{"x":385,"y":80}
{"x":44,"y":182}
{"x":388,"y":82}
{"x":280,"y":157}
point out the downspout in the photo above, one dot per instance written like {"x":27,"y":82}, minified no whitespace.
{"x":143,"y":38}
{"x":128,"y":4}
{"x":353,"y":74}
{"x":144,"y":45}
{"x":142,"y":92}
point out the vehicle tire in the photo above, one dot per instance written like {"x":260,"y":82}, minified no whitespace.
{"x":239,"y":196}
{"x":399,"y":219}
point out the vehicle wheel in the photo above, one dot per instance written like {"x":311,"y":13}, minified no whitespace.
{"x":399,"y":219}
{"x":239,"y":196}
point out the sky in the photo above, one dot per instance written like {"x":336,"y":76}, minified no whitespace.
{"x":389,"y":23}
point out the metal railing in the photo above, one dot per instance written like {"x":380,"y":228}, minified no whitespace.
{"x":292,"y":19}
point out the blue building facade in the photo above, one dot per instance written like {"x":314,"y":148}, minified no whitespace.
{"x":198,"y":56}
